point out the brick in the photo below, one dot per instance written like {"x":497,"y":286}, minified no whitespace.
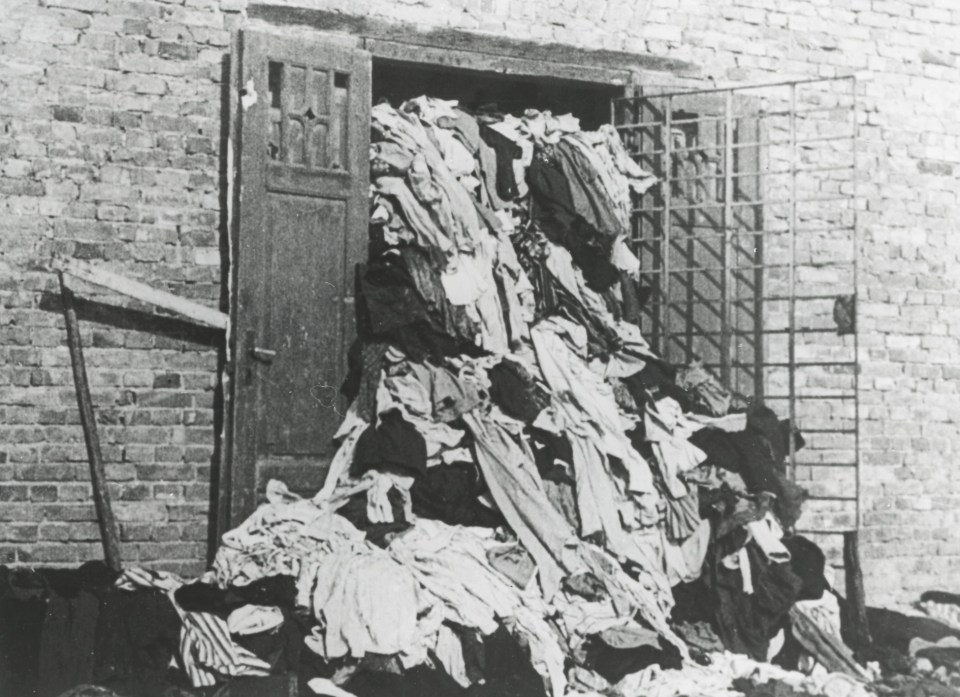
{"x":135,"y":26}
{"x":934,"y":167}
{"x":177,"y":51}
{"x":140,"y":511}
{"x":167,"y":381}
{"x":74,"y":492}
{"x":132,"y":532}
{"x":20,"y":187}
{"x":137,"y":83}
{"x":43,"y":494}
{"x":50,"y":553}
{"x":13,"y":492}
{"x":168,"y":492}
{"x":12,"y":532}
{"x":187,"y":512}
{"x":46,"y":472}
{"x":62,"y":532}
{"x":165,"y":472}
{"x":120,"y":472}
{"x":131,"y":492}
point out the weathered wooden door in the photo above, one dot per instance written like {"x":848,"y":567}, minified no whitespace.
{"x":303,"y":178}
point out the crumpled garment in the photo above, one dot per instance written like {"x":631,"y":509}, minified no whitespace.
{"x":946,"y":612}
{"x":428,"y":234}
{"x":393,"y":443}
{"x":675,"y":454}
{"x":366,"y":603}
{"x":768,"y":534}
{"x":682,"y":515}
{"x":516,"y":390}
{"x":431,"y":109}
{"x":379,"y":507}
{"x":514,"y":129}
{"x":394,"y":306}
{"x":470,"y":282}
{"x":707,"y":391}
{"x":510,"y":471}
{"x":348,"y":434}
{"x":253,"y":619}
{"x":405,"y":127}
{"x":457,"y":158}
{"x":592,"y":185}
{"x":390,"y":158}
{"x":326,"y":687}
{"x":560,"y":346}
{"x":637,"y":179}
{"x":455,"y":320}
{"x":451,"y":564}
{"x":559,"y":262}
{"x":816,"y":626}
{"x":751,"y":596}
{"x":945,"y":652}
{"x":278,"y":538}
{"x":412,"y":399}
{"x":641,"y":597}
{"x":431,"y":391}
{"x":716,"y":679}
{"x":684,"y":561}
{"x":582,"y":618}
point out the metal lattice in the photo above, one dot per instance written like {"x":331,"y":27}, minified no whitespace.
{"x":749,"y":246}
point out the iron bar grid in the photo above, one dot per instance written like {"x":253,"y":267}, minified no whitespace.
{"x":749,"y":244}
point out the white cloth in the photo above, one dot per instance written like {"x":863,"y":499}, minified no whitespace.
{"x":254,"y":619}
{"x":451,"y":564}
{"x":716,"y":679}
{"x":684,"y":561}
{"x":768,"y":534}
{"x":449,"y":651}
{"x":277,"y":538}
{"x":325,"y":686}
{"x":560,"y":347}
{"x":675,"y":454}
{"x":510,"y":471}
{"x":366,"y":603}
{"x":379,"y":507}
{"x":348,"y":434}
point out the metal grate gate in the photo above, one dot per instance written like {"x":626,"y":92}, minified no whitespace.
{"x":749,"y":246}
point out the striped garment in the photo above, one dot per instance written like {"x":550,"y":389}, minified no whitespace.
{"x":207,"y":653}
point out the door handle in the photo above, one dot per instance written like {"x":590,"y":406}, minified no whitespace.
{"x":263,"y":355}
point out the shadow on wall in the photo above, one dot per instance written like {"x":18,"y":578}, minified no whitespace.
{"x":124,"y":318}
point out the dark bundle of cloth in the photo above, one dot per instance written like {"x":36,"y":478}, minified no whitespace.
{"x":400,"y":301}
{"x":747,"y":621}
{"x":572,"y":208}
{"x":757,"y":454}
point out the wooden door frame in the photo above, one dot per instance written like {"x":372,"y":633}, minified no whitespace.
{"x":400,"y":42}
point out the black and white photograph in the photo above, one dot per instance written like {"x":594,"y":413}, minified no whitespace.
{"x":479,"y":348}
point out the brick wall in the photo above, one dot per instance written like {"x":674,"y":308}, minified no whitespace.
{"x":109,"y":135}
{"x":109,"y":148}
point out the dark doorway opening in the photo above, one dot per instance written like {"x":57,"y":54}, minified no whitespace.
{"x":396,"y":81}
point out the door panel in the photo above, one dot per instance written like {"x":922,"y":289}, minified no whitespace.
{"x":303,"y":180}
{"x":307,"y":249}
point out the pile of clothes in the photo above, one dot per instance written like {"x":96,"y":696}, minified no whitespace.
{"x":526,"y":498}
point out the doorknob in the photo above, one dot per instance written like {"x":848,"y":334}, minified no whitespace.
{"x":263,"y":355}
